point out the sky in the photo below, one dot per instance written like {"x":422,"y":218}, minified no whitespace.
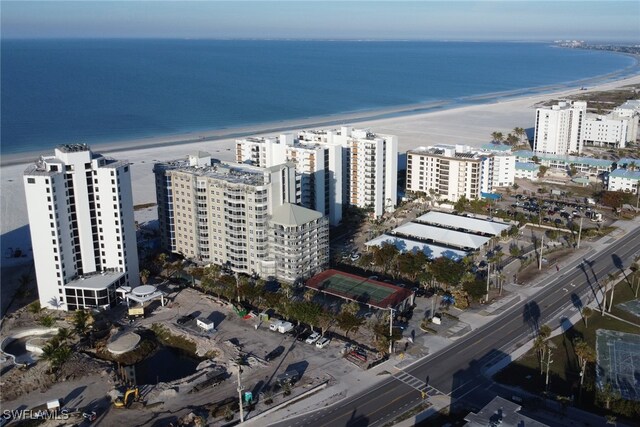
{"x":432,"y":20}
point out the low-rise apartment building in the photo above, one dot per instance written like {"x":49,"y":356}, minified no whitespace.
{"x":624,"y":180}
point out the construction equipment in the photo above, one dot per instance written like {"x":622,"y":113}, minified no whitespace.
{"x":130,"y":396}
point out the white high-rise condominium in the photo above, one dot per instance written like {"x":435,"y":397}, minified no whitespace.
{"x":369,"y":166}
{"x":558,"y":129}
{"x":453,"y":171}
{"x":339,"y":167}
{"x":318,"y":167}
{"x":240,"y":216}
{"x":83,"y":232}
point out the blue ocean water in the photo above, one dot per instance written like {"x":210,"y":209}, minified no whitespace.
{"x":94,"y":91}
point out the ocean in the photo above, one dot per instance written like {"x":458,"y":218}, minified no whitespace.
{"x":99,"y":91}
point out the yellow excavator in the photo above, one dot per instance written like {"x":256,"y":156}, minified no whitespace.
{"x":130,"y":396}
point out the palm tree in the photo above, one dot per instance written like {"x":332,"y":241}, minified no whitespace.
{"x":64,"y":334}
{"x":585,"y":355}
{"x":144,"y":276}
{"x":541,"y":343}
{"x":497,"y":137}
{"x":519,"y":132}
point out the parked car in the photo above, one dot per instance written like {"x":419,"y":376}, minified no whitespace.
{"x":313,"y":338}
{"x":277,"y":352}
{"x":185,"y":319}
{"x":322,"y":342}
{"x":303,"y":335}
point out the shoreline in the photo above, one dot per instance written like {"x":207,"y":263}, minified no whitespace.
{"x":464,"y":124}
{"x":209,"y":135}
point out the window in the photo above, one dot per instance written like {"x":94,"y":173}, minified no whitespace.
{"x":31,"y":180}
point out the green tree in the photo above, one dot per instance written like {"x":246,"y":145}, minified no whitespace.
{"x":80,"y":321}
{"x":541,"y":343}
{"x":351,"y":307}
{"x":384,"y":255}
{"x":476,"y":289}
{"x":515,"y":250}
{"x":64,"y":334}
{"x":447,"y":271}
{"x":520,"y":133}
{"x":34,"y":307}
{"x":461,"y":204}
{"x":47,"y":321}
{"x":542,"y":170}
{"x":497,"y":137}
{"x":144,"y":276}
{"x":512,"y":140}
{"x":585,"y":354}
{"x":349,"y":322}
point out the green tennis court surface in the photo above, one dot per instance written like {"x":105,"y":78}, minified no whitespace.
{"x":358,"y":288}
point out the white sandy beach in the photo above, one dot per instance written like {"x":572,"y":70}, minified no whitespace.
{"x":471,"y":125}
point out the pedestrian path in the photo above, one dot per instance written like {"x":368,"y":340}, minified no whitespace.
{"x":417,"y":383}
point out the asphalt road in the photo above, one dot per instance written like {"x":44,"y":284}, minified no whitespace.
{"x":457,"y":370}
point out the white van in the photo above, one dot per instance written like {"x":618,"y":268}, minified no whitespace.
{"x":285,"y":327}
{"x":275,"y":325}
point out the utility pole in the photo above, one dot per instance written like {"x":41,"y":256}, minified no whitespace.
{"x":549,"y":362}
{"x":240,"y":392}
{"x":488,"y":276}
{"x":390,"y":331}
{"x":579,"y":233}
{"x":541,"y":246}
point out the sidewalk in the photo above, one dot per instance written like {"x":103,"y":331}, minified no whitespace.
{"x":357,"y":381}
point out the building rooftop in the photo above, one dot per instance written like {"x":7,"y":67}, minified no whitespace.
{"x":461,"y":222}
{"x":407,"y":245}
{"x":236,"y":173}
{"x":625,"y":173}
{"x":590,"y":161}
{"x":290,"y":214}
{"x":496,"y":147}
{"x":73,"y":148}
{"x":500,"y":412}
{"x":527,"y":166}
{"x":95,"y":281}
{"x":627,"y":161}
{"x":429,"y":234}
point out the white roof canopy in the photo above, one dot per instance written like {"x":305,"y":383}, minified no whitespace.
{"x":407,"y":245}
{"x":441,"y":235}
{"x":459,"y":222}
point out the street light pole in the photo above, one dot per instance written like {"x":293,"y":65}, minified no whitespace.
{"x":240,"y":393}
{"x":579,"y":234}
{"x":541,"y":246}
{"x":390,"y":330}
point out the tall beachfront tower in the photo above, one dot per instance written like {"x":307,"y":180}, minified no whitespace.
{"x":240,"y":216}
{"x":83,"y":233}
{"x":369,"y":167}
{"x":318,"y":166}
{"x":558,"y":128}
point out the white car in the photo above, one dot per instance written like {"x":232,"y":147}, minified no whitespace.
{"x":322,"y":342}
{"x":313,"y":338}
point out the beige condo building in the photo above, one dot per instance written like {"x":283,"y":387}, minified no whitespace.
{"x":238,"y":216}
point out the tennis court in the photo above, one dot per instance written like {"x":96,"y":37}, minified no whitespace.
{"x":357,"y":288}
{"x":619,"y":362}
